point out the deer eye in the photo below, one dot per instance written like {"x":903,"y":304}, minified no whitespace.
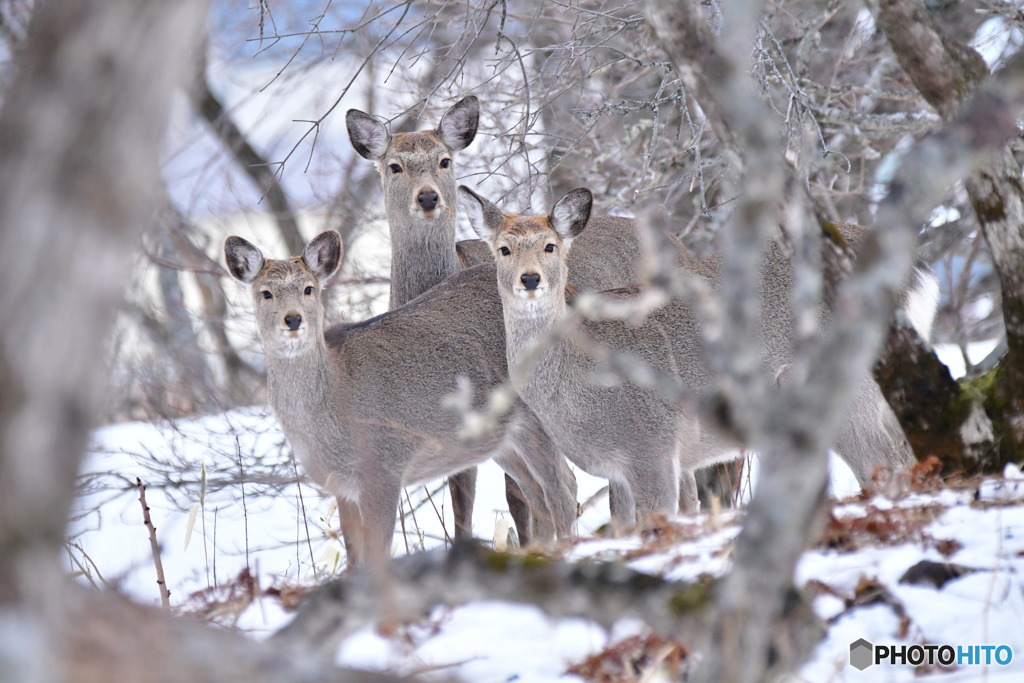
{"x":267,"y":295}
{"x":395,"y":168}
{"x":446,"y":162}
{"x":505,"y":251}
{"x":308,"y":290}
{"x":549,"y":248}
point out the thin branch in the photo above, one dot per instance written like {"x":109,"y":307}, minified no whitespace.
{"x":251,"y":162}
{"x":410,"y":585}
{"x":165,"y":595}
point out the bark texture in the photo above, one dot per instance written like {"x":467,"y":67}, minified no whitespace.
{"x":79,"y":138}
{"x":792,"y":426}
{"x":79,"y":135}
{"x":974,"y":424}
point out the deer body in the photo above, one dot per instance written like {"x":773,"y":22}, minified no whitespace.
{"x":646,"y":443}
{"x":632,"y":436}
{"x":417,"y":172}
{"x":362,"y":403}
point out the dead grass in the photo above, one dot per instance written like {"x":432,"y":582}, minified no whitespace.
{"x":636,"y":658}
{"x":877,"y":527}
{"x":223,"y":603}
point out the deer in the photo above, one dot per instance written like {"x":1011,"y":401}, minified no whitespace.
{"x":361,"y":404}
{"x":646,"y":443}
{"x":418,"y":176}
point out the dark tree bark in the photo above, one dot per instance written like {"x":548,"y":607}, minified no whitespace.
{"x":974,"y":424}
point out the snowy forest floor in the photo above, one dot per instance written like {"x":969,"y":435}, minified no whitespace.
{"x":243,"y":537}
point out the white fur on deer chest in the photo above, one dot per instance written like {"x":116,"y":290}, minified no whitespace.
{"x":311,"y":421}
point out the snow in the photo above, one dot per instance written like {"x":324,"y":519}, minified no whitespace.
{"x":985,"y":606}
{"x":282,"y":532}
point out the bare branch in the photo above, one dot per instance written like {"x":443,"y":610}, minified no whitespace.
{"x":252,"y":163}
{"x":411,"y":585}
{"x":165,"y":595}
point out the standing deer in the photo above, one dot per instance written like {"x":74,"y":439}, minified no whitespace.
{"x":362,"y":403}
{"x":646,"y":444}
{"x":417,"y":172}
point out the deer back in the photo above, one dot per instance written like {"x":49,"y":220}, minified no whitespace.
{"x":400,"y":365}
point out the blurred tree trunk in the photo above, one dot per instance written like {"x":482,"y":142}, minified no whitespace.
{"x":206,"y":379}
{"x":753,"y":619}
{"x":79,"y":138}
{"x":179,"y":333}
{"x":242,"y":380}
{"x":79,"y":134}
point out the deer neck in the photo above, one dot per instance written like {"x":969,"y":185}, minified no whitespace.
{"x":300,"y":387}
{"x":534,"y":359}
{"x":422,"y":255}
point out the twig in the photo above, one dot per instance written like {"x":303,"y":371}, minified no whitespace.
{"x":202,"y":510}
{"x":305,"y":521}
{"x":401,"y":520}
{"x":165,"y":595}
{"x":415,"y":522}
{"x":215,"y":510}
{"x":87,"y":558}
{"x":241,"y":486}
{"x":440,"y":516}
{"x":82,"y":569}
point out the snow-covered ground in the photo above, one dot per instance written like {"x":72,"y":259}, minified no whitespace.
{"x":226,"y":499}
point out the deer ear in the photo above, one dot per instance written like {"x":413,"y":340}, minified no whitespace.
{"x":323,"y":254}
{"x":458,"y":126}
{"x":244,"y":260}
{"x":571,"y":213}
{"x":368,"y":135}
{"x":484,"y":217}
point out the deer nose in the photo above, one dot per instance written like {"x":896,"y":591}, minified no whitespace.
{"x":530,"y":280}
{"x":293,"y":320}
{"x":428,"y":200}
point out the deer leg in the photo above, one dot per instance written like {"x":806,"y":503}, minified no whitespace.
{"x":555,"y":499}
{"x":622,"y":505}
{"x":871,"y":437}
{"x":462,"y":487}
{"x":353,"y":531}
{"x":655,"y":484}
{"x":529,"y":514}
{"x":519,"y":509}
{"x":379,"y":512}
{"x":688,"y":501}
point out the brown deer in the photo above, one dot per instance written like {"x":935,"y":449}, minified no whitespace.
{"x":418,"y":174}
{"x":362,"y":403}
{"x":645,"y":443}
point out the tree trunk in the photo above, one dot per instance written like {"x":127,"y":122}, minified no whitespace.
{"x":976,"y":424}
{"x":793,"y":426}
{"x":79,"y":138}
{"x":997,"y":196}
